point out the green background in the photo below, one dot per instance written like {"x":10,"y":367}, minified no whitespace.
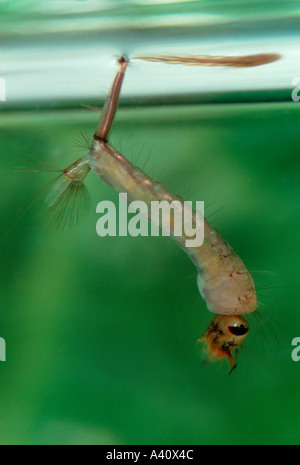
{"x":101,"y":333}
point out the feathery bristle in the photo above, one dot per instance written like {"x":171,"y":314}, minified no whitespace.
{"x":70,"y":207}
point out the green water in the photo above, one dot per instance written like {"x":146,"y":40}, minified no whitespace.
{"x":101,"y":332}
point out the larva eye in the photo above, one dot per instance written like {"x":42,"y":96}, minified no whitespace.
{"x":238,"y":330}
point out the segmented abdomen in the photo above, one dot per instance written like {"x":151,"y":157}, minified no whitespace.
{"x":223,"y":279}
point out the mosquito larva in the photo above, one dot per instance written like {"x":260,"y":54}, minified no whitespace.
{"x":246,"y":61}
{"x":223,"y":280}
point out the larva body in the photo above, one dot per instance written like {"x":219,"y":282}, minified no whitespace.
{"x":223,"y":279}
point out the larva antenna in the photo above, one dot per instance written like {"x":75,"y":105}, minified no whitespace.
{"x":246,"y":61}
{"x":111,"y":103}
{"x":236,"y":361}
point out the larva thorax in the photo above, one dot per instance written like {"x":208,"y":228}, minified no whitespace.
{"x":123,"y":176}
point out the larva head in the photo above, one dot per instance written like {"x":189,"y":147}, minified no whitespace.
{"x":224,"y":335}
